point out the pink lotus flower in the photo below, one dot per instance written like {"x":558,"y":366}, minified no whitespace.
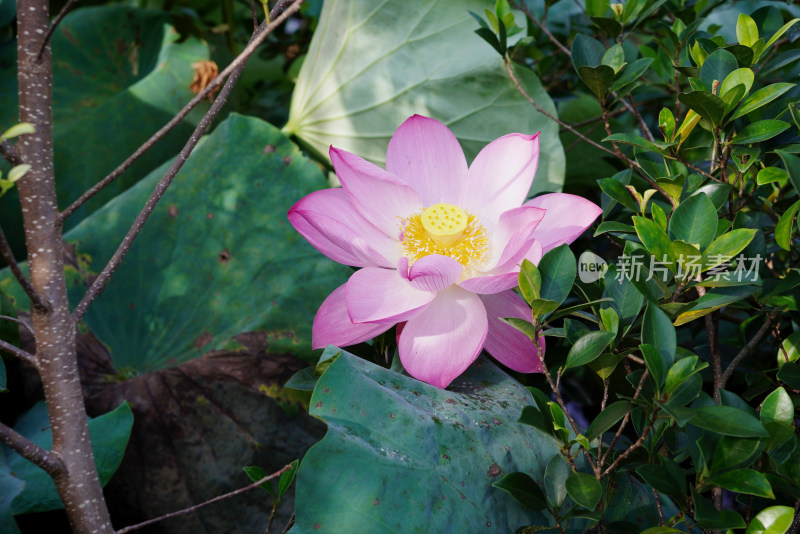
{"x":440,"y":245}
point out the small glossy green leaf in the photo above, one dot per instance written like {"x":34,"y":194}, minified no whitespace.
{"x":783,"y":230}
{"x":597,"y":8}
{"x":530,"y":281}
{"x":532,"y":416}
{"x":611,"y":27}
{"x":728,"y":421}
{"x":777,"y":35}
{"x":614,"y":57}
{"x":661,"y":478}
{"x":694,"y":221}
{"x":617,"y":191}
{"x":777,"y":408}
{"x":558,"y":269}
{"x":727,"y":246}
{"x":555,"y":480}
{"x":658,"y":331}
{"x":584,"y":489}
{"x":526,"y":327}
{"x":666,"y":123}
{"x":631,"y":73}
{"x":731,"y":452}
{"x":759,"y":131}
{"x":709,"y":517}
{"x":769,"y":175}
{"x":743,"y":76}
{"x":654,"y":239}
{"x":541,"y":307}
{"x":523,"y":489}
{"x":772,"y":520}
{"x":746,"y":30}
{"x":626,"y":299}
{"x":17,"y":172}
{"x":680,"y":371}
{"x":287,"y":477}
{"x":608,"y":418}
{"x":256,"y":473}
{"x":715,"y":300}
{"x":762,"y":97}
{"x":587,"y":348}
{"x":654,"y":363}
{"x":586,"y":51}
{"x":789,"y":351}
{"x":18,"y":129}
{"x":605,"y":364}
{"x":598,"y":79}
{"x":792,"y":165}
{"x":745,"y":480}
{"x":708,"y":106}
{"x":717,"y":66}
{"x":635,"y":140}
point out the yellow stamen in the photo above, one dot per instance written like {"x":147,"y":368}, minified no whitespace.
{"x":447,"y":230}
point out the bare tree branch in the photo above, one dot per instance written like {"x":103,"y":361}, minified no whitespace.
{"x":18,"y":352}
{"x":8,"y":256}
{"x":30,"y":451}
{"x":202,"y":504}
{"x":53,"y":25}
{"x":174,"y":121}
{"x":745,"y":352}
{"x":235,"y":69}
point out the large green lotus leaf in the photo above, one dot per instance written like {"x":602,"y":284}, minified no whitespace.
{"x":119,"y":74}
{"x":403,"y":456}
{"x":217,"y":257}
{"x":371,"y":65}
{"x":109,"y":436}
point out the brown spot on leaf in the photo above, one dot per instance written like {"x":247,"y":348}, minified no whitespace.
{"x":209,"y":215}
{"x":287,"y":160}
{"x":317,"y":526}
{"x":318,"y":405}
{"x":494,"y":471}
{"x":224,"y":257}
{"x":376,"y":502}
{"x":269,"y":149}
{"x":451,"y":401}
{"x":173,"y":210}
{"x":496,"y":421}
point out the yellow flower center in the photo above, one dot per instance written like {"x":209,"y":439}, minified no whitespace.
{"x":447,"y":230}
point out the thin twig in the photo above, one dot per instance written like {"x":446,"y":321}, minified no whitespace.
{"x":53,"y":25}
{"x":253,"y":12}
{"x":206,"y":503}
{"x":524,"y":7}
{"x":177,"y":119}
{"x":636,"y":445}
{"x":642,"y":125}
{"x":289,"y":525}
{"x":18,"y":352}
{"x":30,"y":451}
{"x":9,"y":152}
{"x":98,"y":285}
{"x":632,"y":164}
{"x":625,"y":420}
{"x":18,"y":321}
{"x":8,"y":256}
{"x":559,"y":399}
{"x":745,"y":352}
